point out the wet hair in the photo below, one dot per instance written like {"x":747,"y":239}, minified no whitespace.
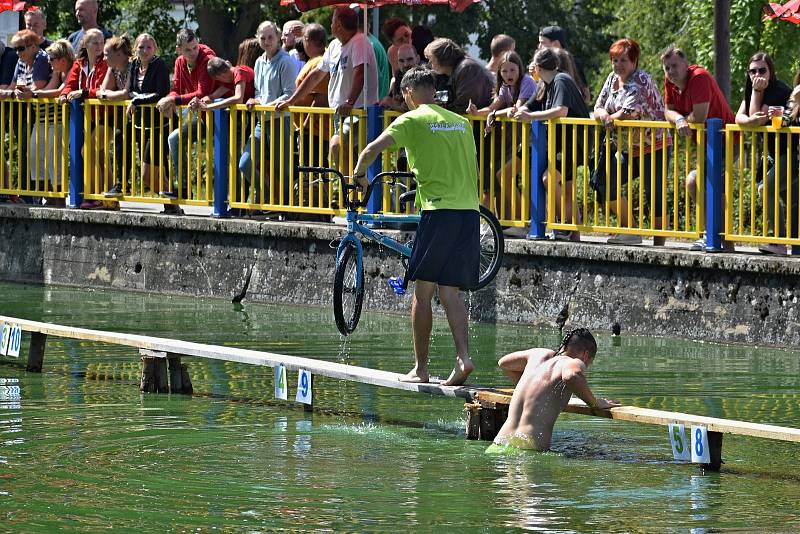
{"x":421,"y":37}
{"x":347,"y":17}
{"x":217,"y":66}
{"x":184,"y":36}
{"x":144,"y":37}
{"x":626,"y":46}
{"x":61,"y":49}
{"x":579,"y":338}
{"x":763,"y":56}
{"x":510,"y":57}
{"x":25,"y":38}
{"x":501,"y":43}
{"x":249,"y":50}
{"x":446,"y":51}
{"x":82,"y":52}
{"x":672,"y":50}
{"x":120,"y":43}
{"x":391,"y":26}
{"x":546,"y":59}
{"x":417,"y":78}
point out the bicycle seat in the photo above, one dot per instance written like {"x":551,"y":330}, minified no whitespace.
{"x":408,"y":196}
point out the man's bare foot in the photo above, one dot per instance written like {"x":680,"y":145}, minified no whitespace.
{"x":415,"y":376}
{"x":460,"y":372}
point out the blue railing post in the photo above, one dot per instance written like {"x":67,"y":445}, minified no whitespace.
{"x":76,"y":154}
{"x":715,"y":184}
{"x":222,"y":119}
{"x":538,"y":229}
{"x":374,"y":129}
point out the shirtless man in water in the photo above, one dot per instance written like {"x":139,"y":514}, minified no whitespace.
{"x":544,"y":382}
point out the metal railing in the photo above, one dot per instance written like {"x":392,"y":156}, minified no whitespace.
{"x":34,"y":148}
{"x":761,"y":185}
{"x":630,"y":179}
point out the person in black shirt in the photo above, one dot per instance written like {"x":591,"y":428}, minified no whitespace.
{"x":562,"y":98}
{"x":762,"y":91}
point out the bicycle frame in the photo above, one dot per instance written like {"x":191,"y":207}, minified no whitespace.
{"x":355,"y":226}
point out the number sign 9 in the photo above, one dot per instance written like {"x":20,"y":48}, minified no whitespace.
{"x":303,"y":387}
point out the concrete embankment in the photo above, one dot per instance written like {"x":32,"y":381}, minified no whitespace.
{"x":655,"y":291}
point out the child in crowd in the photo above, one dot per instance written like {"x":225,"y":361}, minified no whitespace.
{"x":513,"y":88}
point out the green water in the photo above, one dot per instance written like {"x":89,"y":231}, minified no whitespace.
{"x":82,"y":450}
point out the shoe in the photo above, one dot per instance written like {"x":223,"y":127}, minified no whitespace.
{"x":114,"y":192}
{"x":172,"y":209}
{"x":779,"y":250}
{"x":624,"y":239}
{"x":92,"y":205}
{"x":659,"y":241}
{"x":562,"y":235}
{"x":699,"y":245}
{"x":515,"y":232}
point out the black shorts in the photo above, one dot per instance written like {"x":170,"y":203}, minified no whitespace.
{"x":447,"y":248}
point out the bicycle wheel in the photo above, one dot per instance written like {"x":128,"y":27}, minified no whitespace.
{"x":492,"y":247}
{"x":348,"y":290}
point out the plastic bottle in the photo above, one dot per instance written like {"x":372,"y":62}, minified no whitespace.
{"x":396,"y":283}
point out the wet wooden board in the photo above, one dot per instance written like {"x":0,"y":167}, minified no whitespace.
{"x":661,"y":417}
{"x":156,"y":346}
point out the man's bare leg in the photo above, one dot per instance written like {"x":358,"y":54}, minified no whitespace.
{"x":457,"y":318}
{"x":421,"y":324}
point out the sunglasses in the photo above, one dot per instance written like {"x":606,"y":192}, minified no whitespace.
{"x":21,"y":48}
{"x":759,"y":70}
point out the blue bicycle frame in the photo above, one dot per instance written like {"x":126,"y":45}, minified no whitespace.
{"x":355,"y":226}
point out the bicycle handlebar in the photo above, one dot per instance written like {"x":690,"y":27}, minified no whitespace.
{"x":347,"y":187}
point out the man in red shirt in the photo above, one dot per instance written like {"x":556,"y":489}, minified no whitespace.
{"x":190,"y":80}
{"x":691,"y":95}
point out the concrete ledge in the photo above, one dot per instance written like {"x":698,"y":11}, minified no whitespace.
{"x":656,"y":291}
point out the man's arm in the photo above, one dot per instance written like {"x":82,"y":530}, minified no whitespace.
{"x":513,"y":365}
{"x":573,"y":375}
{"x":306,"y":86}
{"x":370,"y":154}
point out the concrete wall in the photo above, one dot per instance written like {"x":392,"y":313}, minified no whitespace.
{"x":653,"y":291}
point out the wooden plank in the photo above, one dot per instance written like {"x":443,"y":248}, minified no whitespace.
{"x":660,"y":417}
{"x":267,"y":359}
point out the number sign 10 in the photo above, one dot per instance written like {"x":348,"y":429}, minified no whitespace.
{"x":14,"y":341}
{"x":303,"y":387}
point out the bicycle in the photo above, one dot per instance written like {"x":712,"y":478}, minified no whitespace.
{"x":348,"y":281}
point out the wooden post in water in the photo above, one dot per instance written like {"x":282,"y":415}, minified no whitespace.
{"x":715,"y":451}
{"x":485,"y":419}
{"x":163,"y":372}
{"x":36,"y":352}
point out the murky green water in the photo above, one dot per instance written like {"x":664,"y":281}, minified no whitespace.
{"x":81,"y":449}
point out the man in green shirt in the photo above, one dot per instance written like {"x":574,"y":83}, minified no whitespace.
{"x":441,"y":154}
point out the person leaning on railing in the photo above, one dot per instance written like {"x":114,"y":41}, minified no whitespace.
{"x":190,"y":80}
{"x":629,"y":93}
{"x":85,"y":78}
{"x":49,"y":128}
{"x":563,"y":98}
{"x":692,"y":96}
{"x":763,"y":90}
{"x":31,"y":73}
{"x":513,"y":88}
{"x":118,"y":52}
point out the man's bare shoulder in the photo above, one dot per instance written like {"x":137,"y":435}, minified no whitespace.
{"x":538,"y":355}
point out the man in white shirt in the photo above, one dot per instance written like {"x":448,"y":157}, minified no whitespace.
{"x":350,"y":60}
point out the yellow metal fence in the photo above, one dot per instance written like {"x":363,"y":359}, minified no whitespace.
{"x":761,"y":185}
{"x":629,"y":179}
{"x":34,"y":148}
{"x":144,"y":154}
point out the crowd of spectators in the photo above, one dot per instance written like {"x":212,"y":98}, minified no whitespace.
{"x":295,"y":65}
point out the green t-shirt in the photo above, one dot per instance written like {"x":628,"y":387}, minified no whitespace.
{"x":384,"y":69}
{"x":441,"y":154}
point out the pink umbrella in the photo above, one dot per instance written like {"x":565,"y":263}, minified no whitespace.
{"x":456,"y":5}
{"x":787,"y":11}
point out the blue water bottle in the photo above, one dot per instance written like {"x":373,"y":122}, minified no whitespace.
{"x":396,"y":283}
